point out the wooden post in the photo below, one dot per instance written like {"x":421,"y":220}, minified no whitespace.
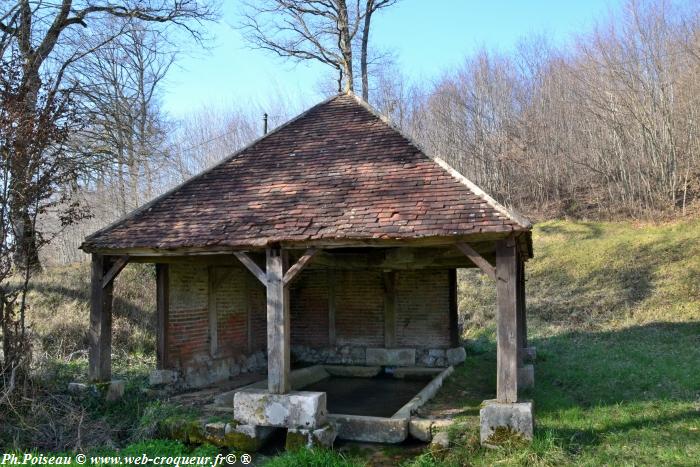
{"x":389,"y":278}
{"x":454,"y":317}
{"x":332,"y":277}
{"x":278,"y":356}
{"x":507,"y":333}
{"x":100,"y":333}
{"x":162,"y":311}
{"x":522,"y":323}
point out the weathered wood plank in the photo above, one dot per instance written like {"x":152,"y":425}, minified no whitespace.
{"x":454,"y":313}
{"x":507,"y":344}
{"x":162,"y":312}
{"x":389,"y":279}
{"x":332,"y":277}
{"x":299,"y":266}
{"x":251,"y":266}
{"x":100,"y":333}
{"x":522,"y":319}
{"x":477,"y":259}
{"x":116,"y":268}
{"x":278,"y":329}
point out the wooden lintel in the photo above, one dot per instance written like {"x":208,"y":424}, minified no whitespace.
{"x":116,"y":268}
{"x":477,"y":259}
{"x":251,"y":266}
{"x":298,"y":266}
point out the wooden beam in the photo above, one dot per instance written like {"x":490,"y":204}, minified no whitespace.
{"x":162,"y":312}
{"x":100,"y":332}
{"x":278,"y":329}
{"x":454,"y":312}
{"x":389,"y":279}
{"x":116,"y":268}
{"x":507,"y":333}
{"x":332,"y":277}
{"x":477,"y":259}
{"x":298,"y":266}
{"x":252,"y":266}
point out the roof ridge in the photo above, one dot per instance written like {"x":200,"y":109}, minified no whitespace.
{"x":510,"y":213}
{"x":209,"y":169}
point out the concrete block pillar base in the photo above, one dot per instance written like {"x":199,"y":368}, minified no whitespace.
{"x":526,"y":377}
{"x":500,"y":421}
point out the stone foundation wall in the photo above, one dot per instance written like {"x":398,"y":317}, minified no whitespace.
{"x":356,"y":355}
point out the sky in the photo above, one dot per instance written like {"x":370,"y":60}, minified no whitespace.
{"x":426,"y":37}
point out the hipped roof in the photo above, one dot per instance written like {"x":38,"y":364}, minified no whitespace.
{"x":337,"y":172}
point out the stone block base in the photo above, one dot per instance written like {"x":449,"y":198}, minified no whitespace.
{"x":297,"y":409}
{"x":391,"y":357}
{"x":247,"y":438}
{"x":456,"y":355}
{"x":320,"y":437}
{"x":424,"y":429}
{"x":162,"y":377}
{"x":500,"y":421}
{"x":526,"y":377}
{"x":370,"y":429}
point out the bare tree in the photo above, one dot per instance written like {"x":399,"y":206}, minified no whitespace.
{"x":324,"y":31}
{"x":370,"y":8}
{"x":49,"y":38}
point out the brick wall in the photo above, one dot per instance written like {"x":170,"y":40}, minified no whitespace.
{"x":309,"y":309}
{"x":238,"y":299}
{"x":188,"y":323}
{"x":230,"y":302}
{"x":422,"y":308}
{"x":234,"y":294}
{"x":359,"y":316}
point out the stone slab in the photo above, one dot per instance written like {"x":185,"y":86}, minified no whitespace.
{"x":353,"y":370}
{"x":320,"y":437}
{"x":115,"y":390}
{"x":504,"y":420}
{"x":427,"y":393}
{"x":370,"y":429}
{"x":162,"y":377}
{"x":391,"y":357}
{"x":247,"y":438}
{"x":420,"y":428}
{"x":296,"y":409}
{"x":456,"y":355}
{"x":412,"y":371}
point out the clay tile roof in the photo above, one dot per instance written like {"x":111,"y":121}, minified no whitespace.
{"x":337,"y":171}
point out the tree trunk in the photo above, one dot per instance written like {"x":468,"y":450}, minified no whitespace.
{"x":363,"y":53}
{"x":345,"y":45}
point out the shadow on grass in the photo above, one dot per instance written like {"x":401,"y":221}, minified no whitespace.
{"x":589,"y":385}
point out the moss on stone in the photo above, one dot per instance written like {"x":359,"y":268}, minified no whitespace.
{"x":242,"y":442}
{"x":295,"y":440}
